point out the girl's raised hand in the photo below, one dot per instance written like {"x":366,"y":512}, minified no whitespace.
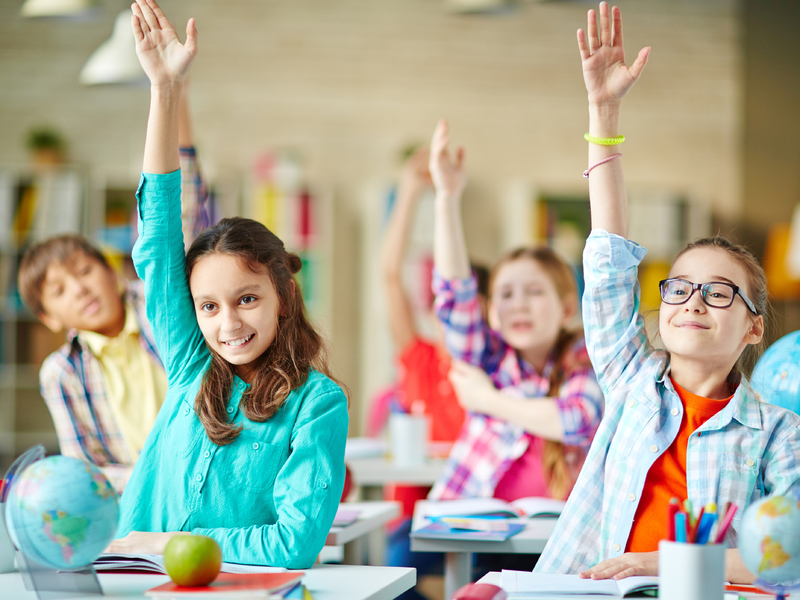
{"x":448,"y":175}
{"x":607,"y":77}
{"x":164,"y":59}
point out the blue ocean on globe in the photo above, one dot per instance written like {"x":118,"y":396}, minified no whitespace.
{"x":62,"y":512}
{"x":776,"y":377}
{"x":769,"y":539}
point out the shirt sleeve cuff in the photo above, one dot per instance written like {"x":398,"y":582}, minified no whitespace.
{"x":623,"y":254}
{"x":461,"y":289}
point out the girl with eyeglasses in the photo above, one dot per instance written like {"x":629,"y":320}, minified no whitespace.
{"x":681,"y":422}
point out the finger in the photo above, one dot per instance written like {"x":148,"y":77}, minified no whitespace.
{"x":163,"y":21}
{"x":605,"y":25}
{"x":582,"y":47}
{"x":138,"y":34}
{"x":439,"y":134}
{"x":460,"y":157}
{"x":591,"y":29}
{"x":617,"y":16}
{"x":149,"y":16}
{"x":191,"y":37}
{"x":137,"y":11}
{"x":638,"y":65}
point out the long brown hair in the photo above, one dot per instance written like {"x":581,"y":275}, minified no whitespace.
{"x":557,"y":470}
{"x":296,"y":349}
{"x":756,"y":291}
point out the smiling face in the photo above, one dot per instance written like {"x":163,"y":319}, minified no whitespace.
{"x":526,"y":309}
{"x":82,"y":293}
{"x":237,"y":310}
{"x":714,"y":337}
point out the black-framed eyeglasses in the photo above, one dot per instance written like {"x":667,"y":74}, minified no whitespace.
{"x":717,"y":294}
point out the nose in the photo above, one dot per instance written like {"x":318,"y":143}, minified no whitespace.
{"x":77,"y":286}
{"x":695,"y":303}
{"x":230,"y":320}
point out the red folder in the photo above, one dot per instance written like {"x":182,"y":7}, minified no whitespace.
{"x":232,"y":585}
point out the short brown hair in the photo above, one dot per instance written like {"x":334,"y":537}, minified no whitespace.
{"x":36,"y":260}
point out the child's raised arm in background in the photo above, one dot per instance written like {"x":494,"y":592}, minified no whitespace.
{"x":678,"y":423}
{"x":253,"y":426}
{"x":529,"y":439}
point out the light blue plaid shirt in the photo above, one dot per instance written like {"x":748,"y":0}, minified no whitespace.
{"x":747,"y":450}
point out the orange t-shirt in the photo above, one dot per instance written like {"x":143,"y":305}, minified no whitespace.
{"x":667,"y":477}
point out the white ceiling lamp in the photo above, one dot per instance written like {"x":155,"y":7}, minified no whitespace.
{"x":115,"y":61}
{"x":58,"y":8}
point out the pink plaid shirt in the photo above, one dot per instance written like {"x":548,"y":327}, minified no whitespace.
{"x":487,"y":447}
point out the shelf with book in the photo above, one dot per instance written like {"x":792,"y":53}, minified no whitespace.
{"x":34,"y":205}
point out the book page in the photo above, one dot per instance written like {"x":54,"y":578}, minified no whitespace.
{"x":470,"y":507}
{"x":534,"y":506}
{"x":526,"y":582}
{"x":155,"y":563}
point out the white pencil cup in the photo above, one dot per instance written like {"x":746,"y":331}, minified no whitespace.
{"x":691,"y":571}
{"x":409,"y":439}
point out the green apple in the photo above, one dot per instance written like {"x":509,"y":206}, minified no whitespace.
{"x":192,"y":560}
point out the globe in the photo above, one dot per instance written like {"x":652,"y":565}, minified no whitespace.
{"x":61,"y":512}
{"x":769,"y":540}
{"x":776,"y":377}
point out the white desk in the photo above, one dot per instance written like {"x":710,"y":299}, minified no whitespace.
{"x":380,"y":471}
{"x":373,"y":516}
{"x":458,"y":554}
{"x":493,"y":578}
{"x":325,"y":582}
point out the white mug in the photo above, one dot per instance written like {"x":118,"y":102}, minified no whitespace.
{"x":408,"y":439}
{"x":691,"y":571}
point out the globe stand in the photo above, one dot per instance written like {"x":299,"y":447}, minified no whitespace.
{"x":780,"y":590}
{"x":48,"y":583}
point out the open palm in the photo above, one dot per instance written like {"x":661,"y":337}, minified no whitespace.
{"x":164,"y":59}
{"x":605,"y":74}
{"x":447,"y":173}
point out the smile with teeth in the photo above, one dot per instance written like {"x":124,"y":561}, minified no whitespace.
{"x":239,"y":341}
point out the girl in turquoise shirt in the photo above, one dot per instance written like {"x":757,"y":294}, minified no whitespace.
{"x":248,"y":447}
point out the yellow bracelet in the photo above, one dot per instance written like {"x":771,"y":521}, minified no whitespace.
{"x":604,"y":141}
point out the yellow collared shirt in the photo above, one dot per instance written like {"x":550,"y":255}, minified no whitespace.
{"x":135,"y":384}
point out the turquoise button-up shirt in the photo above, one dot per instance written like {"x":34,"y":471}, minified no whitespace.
{"x":269,"y":497}
{"x":745,"y":451}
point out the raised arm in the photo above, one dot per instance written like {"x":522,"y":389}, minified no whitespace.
{"x":449,"y":178}
{"x":413,"y":181}
{"x":607,"y":80}
{"x":166,"y":62}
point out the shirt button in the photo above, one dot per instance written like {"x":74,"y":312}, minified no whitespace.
{"x":206,"y":453}
{"x":230,"y":409}
{"x":240,"y":385}
{"x":199,"y":477}
{"x":632,"y":403}
{"x":616,"y":547}
{"x":653,"y":448}
{"x":675,"y":412}
{"x":186,"y":410}
{"x":631,"y":497}
{"x":323,"y":485}
{"x":749,"y":462}
{"x":255,"y":445}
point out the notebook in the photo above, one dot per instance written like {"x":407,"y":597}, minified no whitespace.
{"x":525,"y":584}
{"x":154,"y":563}
{"x":345,"y":516}
{"x":530,"y":507}
{"x":234,"y":585}
{"x":440,"y":530}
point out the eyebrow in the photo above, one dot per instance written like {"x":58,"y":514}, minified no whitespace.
{"x":715,"y":278}
{"x":240,"y":292}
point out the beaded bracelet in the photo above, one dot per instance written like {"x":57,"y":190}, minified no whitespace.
{"x":605,"y":160}
{"x":604,"y":141}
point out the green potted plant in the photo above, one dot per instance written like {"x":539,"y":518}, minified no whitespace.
{"x":47,"y":146}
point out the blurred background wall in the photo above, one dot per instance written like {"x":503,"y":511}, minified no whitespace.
{"x":347,"y":84}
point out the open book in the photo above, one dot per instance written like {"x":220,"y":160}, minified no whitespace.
{"x":154,"y":563}
{"x":487,"y":507}
{"x":524,"y":584}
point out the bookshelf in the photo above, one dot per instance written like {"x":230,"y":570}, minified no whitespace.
{"x":34,"y":205}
